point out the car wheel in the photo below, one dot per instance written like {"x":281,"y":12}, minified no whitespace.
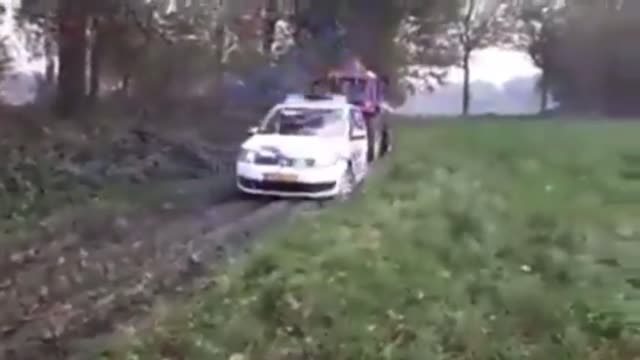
{"x":347,"y":183}
{"x":378,"y":147}
{"x":371,"y":139}
{"x":386,"y":141}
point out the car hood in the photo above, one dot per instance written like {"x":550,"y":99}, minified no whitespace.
{"x":297,"y":146}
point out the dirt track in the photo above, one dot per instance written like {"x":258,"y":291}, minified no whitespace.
{"x":58,"y":298}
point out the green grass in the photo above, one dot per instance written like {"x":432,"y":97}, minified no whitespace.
{"x":487,"y":241}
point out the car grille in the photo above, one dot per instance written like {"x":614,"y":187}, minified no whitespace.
{"x":271,"y":160}
{"x":266,"y":160}
{"x":285,"y":186}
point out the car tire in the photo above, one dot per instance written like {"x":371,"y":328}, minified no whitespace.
{"x":386,"y":141}
{"x":371,"y":138}
{"x":347,"y":184}
{"x":377,"y":147}
{"x":374,"y":142}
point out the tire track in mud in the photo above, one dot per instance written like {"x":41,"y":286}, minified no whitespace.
{"x":80,"y":268}
{"x":69,"y":291}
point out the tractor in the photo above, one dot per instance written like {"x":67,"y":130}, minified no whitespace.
{"x":365,"y":89}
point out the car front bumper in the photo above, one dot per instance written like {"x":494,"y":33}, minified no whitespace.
{"x":318,"y":182}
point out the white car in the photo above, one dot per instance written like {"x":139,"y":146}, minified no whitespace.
{"x":306,"y":146}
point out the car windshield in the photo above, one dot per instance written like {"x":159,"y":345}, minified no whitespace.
{"x":309,"y":122}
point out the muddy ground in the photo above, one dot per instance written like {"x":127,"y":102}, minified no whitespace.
{"x":99,"y":225}
{"x":58,"y":298}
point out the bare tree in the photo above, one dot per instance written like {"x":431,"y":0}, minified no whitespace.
{"x":481,"y":23}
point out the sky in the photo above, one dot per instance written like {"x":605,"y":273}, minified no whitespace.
{"x":503,"y":81}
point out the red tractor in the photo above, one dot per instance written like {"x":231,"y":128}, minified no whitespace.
{"x":365,"y":89}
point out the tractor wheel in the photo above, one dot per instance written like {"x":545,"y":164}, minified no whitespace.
{"x":386,"y":141}
{"x":372,"y":137}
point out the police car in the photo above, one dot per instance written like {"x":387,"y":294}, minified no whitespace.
{"x":308,"y":146}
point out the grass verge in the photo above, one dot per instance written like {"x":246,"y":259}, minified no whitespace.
{"x":488,"y":241}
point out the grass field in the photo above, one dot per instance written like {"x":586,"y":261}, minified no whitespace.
{"x":487,"y":241}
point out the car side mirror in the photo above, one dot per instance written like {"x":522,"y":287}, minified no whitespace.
{"x":252,"y":130}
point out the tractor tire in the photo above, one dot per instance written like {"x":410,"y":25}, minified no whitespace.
{"x":387,"y":141}
{"x":372,"y":137}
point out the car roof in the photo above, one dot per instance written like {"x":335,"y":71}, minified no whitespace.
{"x":321,"y":102}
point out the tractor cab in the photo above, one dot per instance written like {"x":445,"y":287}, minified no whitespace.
{"x":364,"y":89}
{"x":360,"y":86}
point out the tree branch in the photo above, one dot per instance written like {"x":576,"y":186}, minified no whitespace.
{"x":148,"y":30}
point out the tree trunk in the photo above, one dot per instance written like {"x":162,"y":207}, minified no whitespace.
{"x":296,"y":21}
{"x":125,"y":83}
{"x":219,"y":37}
{"x":270,"y":19}
{"x":50,"y":69}
{"x":95,"y":60}
{"x":466,"y":91}
{"x":72,"y":57}
{"x":544,"y":91}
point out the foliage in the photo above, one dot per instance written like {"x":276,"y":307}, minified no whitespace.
{"x":5,"y":57}
{"x":592,"y":65}
{"x":397,"y":38}
{"x":476,"y":26}
{"x":542,"y":24}
{"x":130,"y":29}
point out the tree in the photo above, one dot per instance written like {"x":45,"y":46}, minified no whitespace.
{"x":543,"y":22}
{"x":96,"y":56}
{"x":64,"y":25}
{"x":118,"y":31}
{"x":5,"y":58}
{"x":480,"y":24}
{"x":584,"y":49}
{"x":369,"y":29}
{"x":72,"y":20}
{"x":270,"y":19}
{"x":427,"y":47}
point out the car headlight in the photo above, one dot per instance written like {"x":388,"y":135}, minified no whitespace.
{"x":326,"y":161}
{"x":247,"y":156}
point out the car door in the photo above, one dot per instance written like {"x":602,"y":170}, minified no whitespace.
{"x":358,"y":142}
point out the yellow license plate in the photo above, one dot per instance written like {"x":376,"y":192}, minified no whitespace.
{"x":281,"y":177}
